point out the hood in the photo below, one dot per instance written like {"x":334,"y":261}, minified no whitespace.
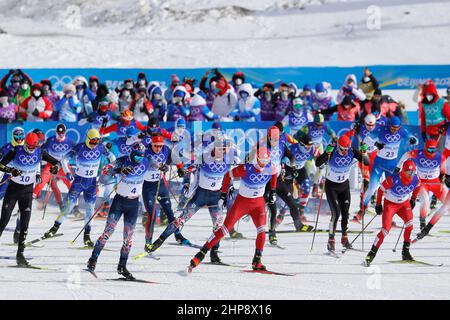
{"x":180,"y":88}
{"x":246,"y":87}
{"x":152,"y":86}
{"x":81,"y":78}
{"x":197,"y":100}
{"x":430,"y":88}
{"x":350,"y":76}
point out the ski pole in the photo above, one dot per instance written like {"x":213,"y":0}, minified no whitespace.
{"x":98,"y":209}
{"x":47,"y":198}
{"x":398,"y":239}
{"x":343,"y":251}
{"x":320,"y":203}
{"x":7,"y":179}
{"x":152,"y":217}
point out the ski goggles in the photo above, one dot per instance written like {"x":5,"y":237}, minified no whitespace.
{"x":94,"y":141}
{"x":343,"y":150}
{"x":395,"y":128}
{"x":431,"y":150}
{"x":157,"y":146}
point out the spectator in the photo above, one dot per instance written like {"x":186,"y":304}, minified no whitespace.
{"x":37,"y":107}
{"x":368,"y":84}
{"x":47,"y":91}
{"x":307,"y":96}
{"x":283,"y":101}
{"x":350,"y":88}
{"x":141,"y":106}
{"x":156,"y":97}
{"x":348,"y":110}
{"x":93,"y":84}
{"x":248,"y":108}
{"x":69,"y":106}
{"x":225,"y":100}
{"x":23,"y":92}
{"x":209,"y":90}
{"x":85,"y":96}
{"x":198,"y":110}
{"x":266,"y":96}
{"x":16,"y":80}
{"x":383,"y":104}
{"x":141,"y":82}
{"x":8,"y":110}
{"x":237,"y":79}
{"x":174,"y":82}
{"x":178,"y":105}
{"x":125,"y":98}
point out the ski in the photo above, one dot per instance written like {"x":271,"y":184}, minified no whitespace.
{"x":224,"y":264}
{"x":444,"y":231}
{"x":186,"y":244}
{"x":42,"y":239}
{"x":89,"y":248}
{"x":275,"y":245}
{"x":418,"y":262}
{"x":92,"y":273}
{"x":352,"y":249}
{"x":132,"y":280}
{"x":146,"y":254}
{"x":332,"y":254}
{"x":12,"y":258}
{"x":269,"y":272}
{"x":31,"y":245}
{"x":319,"y":231}
{"x":34,"y":267}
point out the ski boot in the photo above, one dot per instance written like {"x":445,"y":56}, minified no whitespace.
{"x":358,"y":217}
{"x":424,"y":232}
{"x":433,"y":202}
{"x":21,"y":261}
{"x":331,"y":245}
{"x":300,"y":227}
{"x":423,"y":223}
{"x":16,"y":236}
{"x":51,"y":233}
{"x":373,"y":200}
{"x":371,"y":255}
{"x":236,"y":235}
{"x":198,"y":258}
{"x":406,"y":256}
{"x":91,"y":264}
{"x":153,"y":247}
{"x":273,"y":237}
{"x":87,"y":240}
{"x":123,"y":271}
{"x":181,"y":240}
{"x":345,"y":243}
{"x":256,"y":263}
{"x":214,"y":256}
{"x":315,"y":192}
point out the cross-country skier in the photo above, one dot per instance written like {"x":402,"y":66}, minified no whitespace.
{"x":388,"y":140}
{"x":58,"y":146}
{"x":337,"y":186}
{"x":160,"y":157}
{"x":125,"y":202}
{"x":87,"y":157}
{"x":25,"y":171}
{"x":204,"y":190}
{"x":400,"y":191}
{"x":431,"y":171}
{"x":250,"y":200}
{"x":18,"y":139}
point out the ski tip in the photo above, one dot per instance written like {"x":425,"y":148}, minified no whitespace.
{"x":72,"y":242}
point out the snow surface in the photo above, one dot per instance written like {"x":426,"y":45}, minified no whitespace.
{"x":222,"y":33}
{"x":317,"y":276}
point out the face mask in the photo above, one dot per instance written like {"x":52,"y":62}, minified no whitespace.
{"x":157,"y":96}
{"x":15,"y":84}
{"x":94,"y":86}
{"x":36,"y":93}
{"x":238,"y":81}
{"x":213,"y":85}
{"x":4,"y":101}
{"x":322,"y":95}
{"x":80,"y":88}
{"x":244,"y":95}
{"x":142,"y":82}
{"x":284,"y":95}
{"x":366,"y":79}
{"x":128,"y":85}
{"x":46,"y":88}
{"x":125,"y":94}
{"x":268,"y":95}
{"x":430,"y":97}
{"x":24,"y":86}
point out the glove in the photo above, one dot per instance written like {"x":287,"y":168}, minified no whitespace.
{"x":295,"y":174}
{"x":69,"y":177}
{"x":126,"y":170}
{"x":55,"y":169}
{"x":108,"y":145}
{"x":38,"y":178}
{"x":15,"y":172}
{"x":185,"y":188}
{"x":396,"y":170}
{"x":35,"y":112}
{"x":222,"y":200}
{"x":442,"y":130}
{"x":413,"y":141}
{"x":357,"y":127}
{"x":424,"y":136}
{"x":442,"y":177}
{"x":334,"y":139}
{"x":364,"y":147}
{"x":412,"y":203}
{"x":180,"y":172}
{"x":104,"y":121}
{"x":447,"y":180}
{"x":231,"y":190}
{"x":379,"y":145}
{"x":379,"y":209}
{"x":272,"y":197}
{"x":329,"y":149}
{"x":141,"y":135}
{"x":164,"y":168}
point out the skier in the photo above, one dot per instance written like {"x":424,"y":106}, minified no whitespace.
{"x":204,"y":190}
{"x":400,"y":191}
{"x":431,"y":171}
{"x":348,"y":110}
{"x":160,"y":157}
{"x":87,"y":157}
{"x":250,"y":200}
{"x":58,"y":146}
{"x":18,"y":139}
{"x":126,"y":203}
{"x":25,"y":171}
{"x":387,"y":140}
{"x":337,"y":186}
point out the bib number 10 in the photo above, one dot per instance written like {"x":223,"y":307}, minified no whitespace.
{"x":25,"y":178}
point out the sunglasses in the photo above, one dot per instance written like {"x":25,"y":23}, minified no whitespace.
{"x":19,"y":137}
{"x":158,"y":145}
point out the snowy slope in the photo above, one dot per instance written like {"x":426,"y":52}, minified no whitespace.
{"x":189,"y":33}
{"x":317,"y":276}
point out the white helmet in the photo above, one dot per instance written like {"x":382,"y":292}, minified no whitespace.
{"x":370,"y":120}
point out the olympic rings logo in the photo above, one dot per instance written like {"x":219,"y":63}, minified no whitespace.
{"x":59,"y":82}
{"x":160,"y":157}
{"x":91,"y":155}
{"x":195,"y":110}
{"x":275,"y":154}
{"x":257,"y":178}
{"x":392,"y":137}
{"x":301,"y":156}
{"x":125,"y":149}
{"x":31,"y":159}
{"x":317,"y":133}
{"x":139,"y":170}
{"x":297,"y":120}
{"x":431,"y":109}
{"x":60,"y":147}
{"x":404,"y":190}
{"x":217,"y":167}
{"x":342,"y":161}
{"x":427,"y":163}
